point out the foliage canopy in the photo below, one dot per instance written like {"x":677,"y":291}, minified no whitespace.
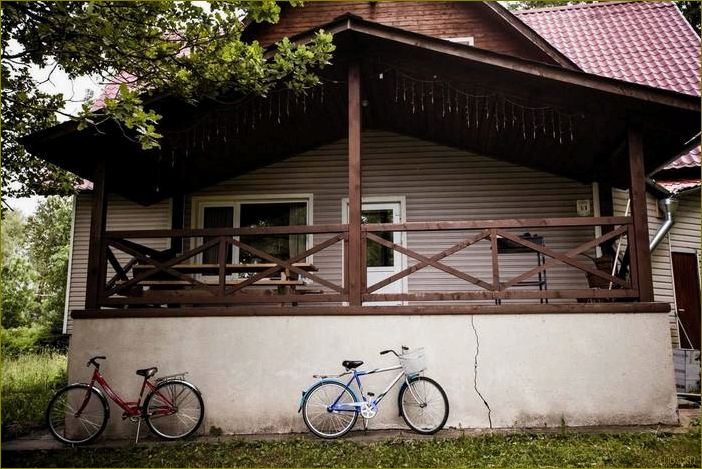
{"x":183,"y":49}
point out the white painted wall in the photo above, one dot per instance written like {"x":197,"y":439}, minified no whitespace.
{"x":533,"y":370}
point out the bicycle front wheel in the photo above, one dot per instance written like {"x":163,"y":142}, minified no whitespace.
{"x":424,"y":405}
{"x":174,"y":410}
{"x":77,"y":414}
{"x":318,"y":414}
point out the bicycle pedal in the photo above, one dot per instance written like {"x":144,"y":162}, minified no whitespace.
{"x":371,"y":394}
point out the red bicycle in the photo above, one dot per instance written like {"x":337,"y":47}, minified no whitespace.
{"x":78,"y":413}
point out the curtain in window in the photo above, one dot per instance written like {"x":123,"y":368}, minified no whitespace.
{"x":298,"y":216}
{"x":216,"y":217}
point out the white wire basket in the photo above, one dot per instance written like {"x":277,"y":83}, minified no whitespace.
{"x":413,"y":361}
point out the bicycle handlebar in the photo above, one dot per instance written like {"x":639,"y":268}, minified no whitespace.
{"x":404,"y":349}
{"x":93,"y":361}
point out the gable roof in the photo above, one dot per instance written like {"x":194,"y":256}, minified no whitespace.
{"x":649,"y":43}
{"x":493,"y":26}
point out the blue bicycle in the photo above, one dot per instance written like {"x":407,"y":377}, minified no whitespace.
{"x":330,"y":408}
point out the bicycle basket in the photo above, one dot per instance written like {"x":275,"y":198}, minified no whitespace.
{"x":413,"y":361}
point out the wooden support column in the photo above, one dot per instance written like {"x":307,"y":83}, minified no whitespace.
{"x":96,"y":252}
{"x":639,"y":241}
{"x":354,"y":263}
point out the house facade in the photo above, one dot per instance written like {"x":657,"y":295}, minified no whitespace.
{"x":436,"y":190}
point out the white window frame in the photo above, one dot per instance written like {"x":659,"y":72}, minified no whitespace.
{"x":199,"y":203}
{"x":465,"y":40}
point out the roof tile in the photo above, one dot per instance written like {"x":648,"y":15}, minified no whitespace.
{"x":649,"y":43}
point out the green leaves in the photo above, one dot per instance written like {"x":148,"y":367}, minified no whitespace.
{"x":176,"y":48}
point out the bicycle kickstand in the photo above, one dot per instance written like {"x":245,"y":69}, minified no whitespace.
{"x":136,"y":441}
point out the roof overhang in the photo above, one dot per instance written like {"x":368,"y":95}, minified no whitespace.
{"x":669,"y":120}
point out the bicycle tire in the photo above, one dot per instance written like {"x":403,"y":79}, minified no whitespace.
{"x":190,"y":409}
{"x":65,"y":426}
{"x":430,"y":392}
{"x":318,"y":395}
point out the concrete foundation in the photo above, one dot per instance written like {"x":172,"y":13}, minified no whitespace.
{"x":532,"y":370}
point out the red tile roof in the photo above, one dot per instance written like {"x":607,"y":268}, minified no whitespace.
{"x":689,"y":160}
{"x":679,"y":185}
{"x":644,"y":42}
{"x":649,"y":43}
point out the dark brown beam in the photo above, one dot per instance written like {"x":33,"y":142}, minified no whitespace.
{"x":354,"y":252}
{"x":503,"y":224}
{"x":333,"y":310}
{"x":97,"y":268}
{"x":639,"y":248}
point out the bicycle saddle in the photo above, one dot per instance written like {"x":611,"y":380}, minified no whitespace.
{"x":349,"y":364}
{"x":147,"y":372}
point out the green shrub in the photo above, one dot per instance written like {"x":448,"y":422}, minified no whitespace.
{"x":28,"y":382}
{"x":32,"y":339}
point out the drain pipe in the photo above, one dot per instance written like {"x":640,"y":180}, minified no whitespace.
{"x":669,"y":206}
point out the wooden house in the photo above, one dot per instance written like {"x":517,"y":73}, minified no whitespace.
{"x":436,"y":190}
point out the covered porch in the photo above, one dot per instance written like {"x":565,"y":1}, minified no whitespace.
{"x":562,"y":122}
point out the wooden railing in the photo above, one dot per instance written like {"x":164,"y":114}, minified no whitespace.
{"x":162,"y":277}
{"x":495,"y":289}
{"x":142,"y":275}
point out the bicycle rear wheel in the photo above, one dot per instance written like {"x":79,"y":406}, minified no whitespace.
{"x":317,"y":413}
{"x":77,"y":414}
{"x":424,"y":405}
{"x":174,"y":410}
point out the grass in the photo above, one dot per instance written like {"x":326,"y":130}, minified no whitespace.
{"x":28,"y":382}
{"x":641,"y":449}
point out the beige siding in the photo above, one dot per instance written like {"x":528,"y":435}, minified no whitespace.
{"x":685,"y":234}
{"x":121,"y":214}
{"x":439,"y":183}
{"x":661,"y":263}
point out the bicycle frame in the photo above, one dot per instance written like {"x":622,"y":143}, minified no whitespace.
{"x":356,"y":376}
{"x":131,"y":408}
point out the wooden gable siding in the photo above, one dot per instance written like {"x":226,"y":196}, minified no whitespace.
{"x":121,"y":215}
{"x":661,"y":262}
{"x":439,"y":19}
{"x":439,"y":183}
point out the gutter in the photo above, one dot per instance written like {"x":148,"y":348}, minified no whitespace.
{"x":669,"y":206}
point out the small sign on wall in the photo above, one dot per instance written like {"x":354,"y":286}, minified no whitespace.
{"x":584,"y":208}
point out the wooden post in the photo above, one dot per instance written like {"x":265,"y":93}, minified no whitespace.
{"x":639,"y":250}
{"x":96,"y":251}
{"x":354,"y":252}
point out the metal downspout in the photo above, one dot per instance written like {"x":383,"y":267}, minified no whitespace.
{"x":669,"y":206}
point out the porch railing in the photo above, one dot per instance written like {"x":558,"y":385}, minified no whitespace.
{"x":137,"y":273}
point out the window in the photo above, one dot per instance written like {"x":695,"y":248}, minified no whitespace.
{"x":218,"y":212}
{"x":273,"y":214}
{"x":466,"y":40}
{"x":216,"y":217}
{"x":378,"y":255}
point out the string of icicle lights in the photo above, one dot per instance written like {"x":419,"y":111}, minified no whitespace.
{"x":476,"y":109}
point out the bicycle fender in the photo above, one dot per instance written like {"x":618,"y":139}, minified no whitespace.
{"x":316,"y":383}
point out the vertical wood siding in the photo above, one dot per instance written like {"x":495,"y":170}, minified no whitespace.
{"x":121,"y":215}
{"x":438,"y":19}
{"x":439,"y":183}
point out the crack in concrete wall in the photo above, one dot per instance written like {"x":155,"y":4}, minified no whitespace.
{"x":475,"y":370}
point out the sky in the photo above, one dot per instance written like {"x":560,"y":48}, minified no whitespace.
{"x":76,"y":92}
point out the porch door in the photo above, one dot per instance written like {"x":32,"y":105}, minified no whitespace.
{"x":687,"y":295}
{"x":381,"y":261}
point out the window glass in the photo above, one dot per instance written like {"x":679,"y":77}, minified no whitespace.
{"x":273,"y":214}
{"x":377,"y":255}
{"x":216,"y":217}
